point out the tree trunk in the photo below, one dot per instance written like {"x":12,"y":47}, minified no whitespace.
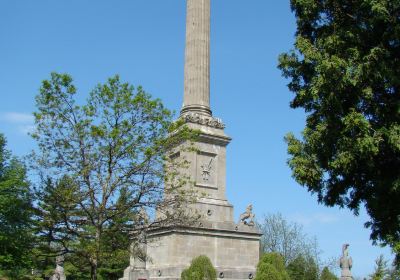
{"x":95,"y":261}
{"x":93,"y":271}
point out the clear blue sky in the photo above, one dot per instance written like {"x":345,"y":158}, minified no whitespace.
{"x":143,"y":41}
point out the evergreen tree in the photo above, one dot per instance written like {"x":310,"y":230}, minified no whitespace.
{"x":16,"y":237}
{"x":381,"y":270}
{"x":326,"y":274}
{"x":345,"y":73}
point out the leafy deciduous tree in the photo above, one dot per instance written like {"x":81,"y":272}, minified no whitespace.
{"x":286,"y":238}
{"x":108,"y":161}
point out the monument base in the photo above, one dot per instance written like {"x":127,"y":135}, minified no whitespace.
{"x":232,"y":249}
{"x":137,"y":274}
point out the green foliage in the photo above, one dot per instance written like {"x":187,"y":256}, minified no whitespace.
{"x":326,"y":274}
{"x":267,"y":271}
{"x":345,"y":73}
{"x":15,"y":216}
{"x":286,"y":238}
{"x":271,"y":266}
{"x":394,"y":274}
{"x":200,"y":268}
{"x":303,"y":268}
{"x":381,"y":271}
{"x":108,"y":161}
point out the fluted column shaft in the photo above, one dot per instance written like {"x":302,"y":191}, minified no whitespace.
{"x":197,"y":58}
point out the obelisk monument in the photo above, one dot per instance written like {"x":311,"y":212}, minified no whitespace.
{"x":233,"y":247}
{"x":196,"y":96}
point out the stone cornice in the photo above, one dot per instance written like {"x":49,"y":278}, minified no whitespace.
{"x":214,"y":139}
{"x":239,"y":232}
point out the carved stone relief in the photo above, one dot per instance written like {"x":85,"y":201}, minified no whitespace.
{"x":206,"y":170}
{"x":203,"y":120}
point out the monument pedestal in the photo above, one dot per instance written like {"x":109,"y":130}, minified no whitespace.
{"x":232,"y":249}
{"x":131,"y":273}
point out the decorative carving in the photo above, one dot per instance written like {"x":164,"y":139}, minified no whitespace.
{"x":346,"y":263}
{"x":247,"y":218}
{"x":203,"y":120}
{"x":206,"y":170}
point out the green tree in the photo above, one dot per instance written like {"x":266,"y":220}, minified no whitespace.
{"x":286,"y":238}
{"x":326,"y":274}
{"x":56,"y":201}
{"x":303,"y":268}
{"x":16,"y":237}
{"x":200,"y":268}
{"x":381,"y":271}
{"x":394,"y":274}
{"x":345,"y":73}
{"x":109,"y":159}
{"x":271,"y":266}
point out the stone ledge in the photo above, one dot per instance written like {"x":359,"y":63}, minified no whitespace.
{"x":243,"y":232}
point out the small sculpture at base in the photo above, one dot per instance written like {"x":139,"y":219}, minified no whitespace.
{"x":59,"y":271}
{"x":247,"y":218}
{"x":346,"y":263}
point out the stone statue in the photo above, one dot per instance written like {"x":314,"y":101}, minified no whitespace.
{"x":59,"y":271}
{"x":143,"y":217}
{"x":137,"y":258}
{"x":345,"y":263}
{"x":247,"y":218}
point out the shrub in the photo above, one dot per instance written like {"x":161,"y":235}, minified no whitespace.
{"x":200,"y":268}
{"x":271,"y":267}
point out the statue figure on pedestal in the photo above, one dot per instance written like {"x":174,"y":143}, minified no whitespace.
{"x":247,"y":218}
{"x":346,"y":263}
{"x":138,"y":247}
{"x":59,"y":271}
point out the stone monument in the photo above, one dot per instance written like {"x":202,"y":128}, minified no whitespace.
{"x":233,"y":248}
{"x":345,"y":263}
{"x":59,"y":271}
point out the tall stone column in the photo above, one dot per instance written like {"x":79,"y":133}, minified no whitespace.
{"x":197,"y":58}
